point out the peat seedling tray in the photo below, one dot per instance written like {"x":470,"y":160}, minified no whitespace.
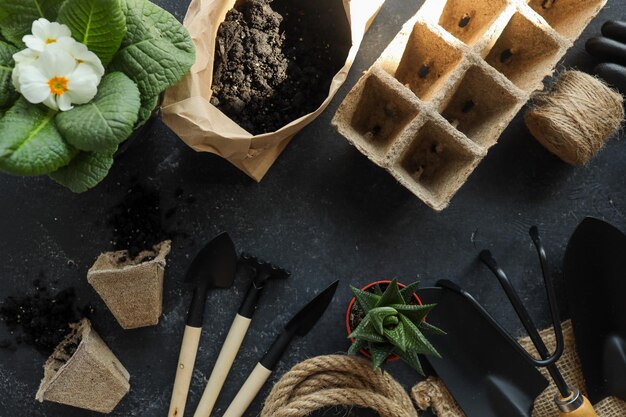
{"x":451,"y":81}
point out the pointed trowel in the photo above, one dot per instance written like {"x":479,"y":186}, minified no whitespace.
{"x":262,"y":272}
{"x":299,"y":326}
{"x":213,"y":267}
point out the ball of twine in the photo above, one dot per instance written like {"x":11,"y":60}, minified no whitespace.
{"x":577,"y":117}
{"x":337,"y":380}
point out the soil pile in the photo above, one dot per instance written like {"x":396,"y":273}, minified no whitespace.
{"x":272,"y":64}
{"x":40,"y":319}
{"x":137,"y":222}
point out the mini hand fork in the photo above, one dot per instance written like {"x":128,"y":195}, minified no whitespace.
{"x":569,"y":400}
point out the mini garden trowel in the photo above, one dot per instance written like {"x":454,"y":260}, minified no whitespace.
{"x":595,"y":275}
{"x":213,"y":267}
{"x":263,"y":272}
{"x":299,"y":326}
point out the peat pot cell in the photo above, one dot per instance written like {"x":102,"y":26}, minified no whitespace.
{"x":524,"y":53}
{"x":568,"y":17}
{"x":437,"y":162}
{"x":82,"y":372}
{"x":382,"y":113}
{"x":480,"y":107}
{"x":468,"y":20}
{"x":427,"y":62}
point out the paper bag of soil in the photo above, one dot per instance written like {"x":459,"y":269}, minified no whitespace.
{"x":187,"y":107}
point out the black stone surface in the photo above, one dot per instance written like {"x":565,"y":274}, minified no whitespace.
{"x":324,"y":212}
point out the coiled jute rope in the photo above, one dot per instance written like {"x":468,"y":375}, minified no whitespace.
{"x":576,"y":118}
{"x":337,"y":380}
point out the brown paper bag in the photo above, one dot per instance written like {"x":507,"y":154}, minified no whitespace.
{"x":187,"y":109}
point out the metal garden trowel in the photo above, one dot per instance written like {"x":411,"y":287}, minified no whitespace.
{"x":595,"y":274}
{"x":262,"y":272}
{"x":213,"y":267}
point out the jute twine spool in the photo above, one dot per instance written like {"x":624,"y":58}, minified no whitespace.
{"x":576,"y":118}
{"x":337,"y":380}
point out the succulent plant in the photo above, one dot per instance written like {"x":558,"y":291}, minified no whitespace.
{"x":391,"y":325}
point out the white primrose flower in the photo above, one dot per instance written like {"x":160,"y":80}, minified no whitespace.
{"x":57,"y":81}
{"x":46,"y":33}
{"x":25,"y":57}
{"x":81,"y":54}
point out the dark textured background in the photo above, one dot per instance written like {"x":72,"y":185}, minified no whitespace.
{"x":323,"y":211}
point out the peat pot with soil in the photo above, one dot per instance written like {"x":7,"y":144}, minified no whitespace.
{"x":386,"y":321}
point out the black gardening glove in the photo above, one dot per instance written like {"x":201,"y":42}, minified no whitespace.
{"x":611,"y":48}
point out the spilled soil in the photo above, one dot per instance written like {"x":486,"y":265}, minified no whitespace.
{"x":137,"y":222}
{"x":275,"y":60}
{"x":40,"y":319}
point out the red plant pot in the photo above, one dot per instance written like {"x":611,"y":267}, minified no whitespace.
{"x":351,"y":305}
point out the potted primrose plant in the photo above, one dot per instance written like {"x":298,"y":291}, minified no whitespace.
{"x":386,"y":321}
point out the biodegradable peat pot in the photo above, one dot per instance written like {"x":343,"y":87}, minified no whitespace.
{"x":354,"y":315}
{"x":132,"y":288}
{"x":84,"y":373}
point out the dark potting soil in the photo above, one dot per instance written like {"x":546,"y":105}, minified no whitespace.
{"x":40,"y":319}
{"x":136,"y":221}
{"x":275,"y":60}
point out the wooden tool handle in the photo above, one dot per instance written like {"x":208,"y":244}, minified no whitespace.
{"x":184,"y":371}
{"x":222,"y":367}
{"x":248,"y":392}
{"x":585,"y":410}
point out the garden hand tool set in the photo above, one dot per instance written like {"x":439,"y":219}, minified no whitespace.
{"x":492,"y":375}
{"x":215,"y":266}
{"x":263,"y":272}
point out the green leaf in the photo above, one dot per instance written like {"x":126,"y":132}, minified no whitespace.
{"x":413,"y":360}
{"x":30,"y":144}
{"x":416,"y":313}
{"x":366,"y":299}
{"x":17,"y":17}
{"x":99,"y":24}
{"x":398,"y":337}
{"x":407,"y":292}
{"x":157,"y":50}
{"x":8,"y":95}
{"x":380,"y":352}
{"x":429,"y":328}
{"x":378,"y":316}
{"x":416,"y":341}
{"x":391,"y":295}
{"x":377,"y":290}
{"x":365,"y":331}
{"x":148,"y":104}
{"x":107,"y":120}
{"x":85,"y":171}
{"x":356,"y":346}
